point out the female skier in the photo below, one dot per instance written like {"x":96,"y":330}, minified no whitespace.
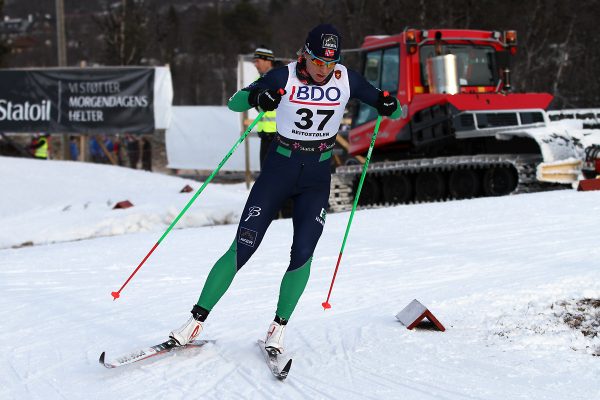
{"x":310,"y":96}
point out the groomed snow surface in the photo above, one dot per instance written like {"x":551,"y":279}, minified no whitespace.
{"x":502,"y":275}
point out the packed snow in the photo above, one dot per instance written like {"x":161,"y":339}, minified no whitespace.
{"x":515,"y":280}
{"x":60,"y":201}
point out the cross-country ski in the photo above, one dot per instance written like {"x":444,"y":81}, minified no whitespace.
{"x":147,"y":352}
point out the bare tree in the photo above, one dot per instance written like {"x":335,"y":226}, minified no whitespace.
{"x":4,"y":48}
{"x":125,"y":29}
{"x":558,"y":50}
{"x":563,"y":60}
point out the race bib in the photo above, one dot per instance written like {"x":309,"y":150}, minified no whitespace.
{"x":309,"y":112}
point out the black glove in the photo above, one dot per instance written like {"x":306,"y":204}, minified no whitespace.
{"x":386,"y":104}
{"x":266,"y":99}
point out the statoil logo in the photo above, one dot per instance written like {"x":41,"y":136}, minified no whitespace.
{"x":11,"y":111}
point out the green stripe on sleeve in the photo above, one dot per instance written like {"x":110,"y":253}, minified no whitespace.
{"x":398,"y":113}
{"x":239,"y":101}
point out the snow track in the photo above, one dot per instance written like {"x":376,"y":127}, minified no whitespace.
{"x":490,"y":269}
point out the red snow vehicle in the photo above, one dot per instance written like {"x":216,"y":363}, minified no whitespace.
{"x":464,"y":133}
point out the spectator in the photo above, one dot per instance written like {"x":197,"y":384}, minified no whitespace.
{"x":73,"y":148}
{"x":266,"y":127}
{"x":146,"y":154}
{"x":39,"y":146}
{"x":108,"y":143}
{"x":118,"y":151}
{"x":264,"y":61}
{"x":133,"y":150}
{"x":95,"y":150}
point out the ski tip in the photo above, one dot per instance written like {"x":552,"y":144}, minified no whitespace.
{"x":285,"y":371}
{"x":101,"y":360}
{"x":287,"y":367}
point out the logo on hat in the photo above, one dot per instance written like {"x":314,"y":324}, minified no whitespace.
{"x":330,"y":41}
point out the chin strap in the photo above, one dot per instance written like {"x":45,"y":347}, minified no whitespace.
{"x":305,"y":77}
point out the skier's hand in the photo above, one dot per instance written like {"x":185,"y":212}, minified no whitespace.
{"x":386,"y":104}
{"x":268,"y":99}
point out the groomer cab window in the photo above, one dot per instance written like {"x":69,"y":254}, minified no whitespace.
{"x":381,"y":69}
{"x":476,"y":65}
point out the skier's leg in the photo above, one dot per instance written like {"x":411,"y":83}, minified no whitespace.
{"x":219,"y":279}
{"x":309,"y":220}
{"x":258,"y":213}
{"x":268,"y":193}
{"x":253,"y":225}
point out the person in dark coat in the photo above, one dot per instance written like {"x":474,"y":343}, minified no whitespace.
{"x":133,"y":150}
{"x":146,"y":154}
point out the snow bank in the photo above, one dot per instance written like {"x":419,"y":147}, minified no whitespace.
{"x":506,"y":276}
{"x":50,"y":201}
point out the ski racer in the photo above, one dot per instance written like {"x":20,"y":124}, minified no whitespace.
{"x":310,"y":96}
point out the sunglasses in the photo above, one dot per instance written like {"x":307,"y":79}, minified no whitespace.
{"x":319,"y":62}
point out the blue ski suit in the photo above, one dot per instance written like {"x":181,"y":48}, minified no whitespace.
{"x":297,"y":167}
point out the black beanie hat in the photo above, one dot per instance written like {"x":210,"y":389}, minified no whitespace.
{"x":324,"y":41}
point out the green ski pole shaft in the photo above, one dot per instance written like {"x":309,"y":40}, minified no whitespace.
{"x":326,"y":304}
{"x":117,"y":294}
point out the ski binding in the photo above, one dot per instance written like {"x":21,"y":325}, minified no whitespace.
{"x":271,"y":357}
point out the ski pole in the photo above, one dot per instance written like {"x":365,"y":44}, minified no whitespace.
{"x":326,"y":304}
{"x":117,"y":294}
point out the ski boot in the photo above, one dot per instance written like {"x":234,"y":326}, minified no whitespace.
{"x":191,"y":329}
{"x":274,"y":340}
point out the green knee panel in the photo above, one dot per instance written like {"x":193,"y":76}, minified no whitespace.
{"x":292,"y":286}
{"x":220,"y":277}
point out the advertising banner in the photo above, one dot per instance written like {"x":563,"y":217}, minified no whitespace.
{"x":81,"y":100}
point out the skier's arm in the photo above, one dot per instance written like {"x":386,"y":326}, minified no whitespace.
{"x":247,"y":97}
{"x":361,"y":89}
